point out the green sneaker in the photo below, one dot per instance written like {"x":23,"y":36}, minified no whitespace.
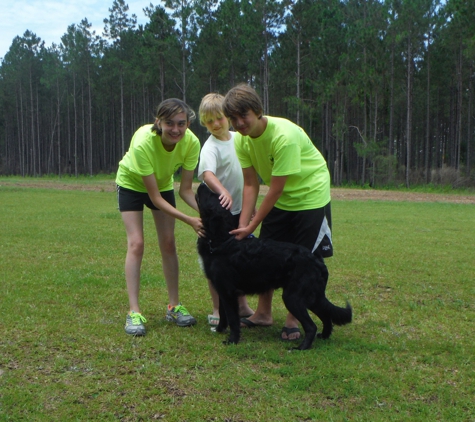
{"x":134,"y":324}
{"x":180,"y":316}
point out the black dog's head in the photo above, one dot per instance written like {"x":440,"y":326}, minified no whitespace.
{"x":217,"y":221}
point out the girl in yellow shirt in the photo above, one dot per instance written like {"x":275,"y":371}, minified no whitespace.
{"x":145,"y":177}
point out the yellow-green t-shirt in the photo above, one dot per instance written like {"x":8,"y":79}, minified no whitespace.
{"x":284,"y":149}
{"x":146,"y":156}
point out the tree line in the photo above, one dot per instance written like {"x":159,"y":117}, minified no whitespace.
{"x":383,"y":88}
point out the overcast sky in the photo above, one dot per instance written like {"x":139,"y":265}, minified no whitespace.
{"x":49,"y":19}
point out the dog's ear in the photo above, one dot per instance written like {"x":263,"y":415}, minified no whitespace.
{"x":205,"y":192}
{"x":206,"y":197}
{"x":218,"y":221}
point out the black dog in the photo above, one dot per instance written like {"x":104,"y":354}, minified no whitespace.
{"x":253,"y":266}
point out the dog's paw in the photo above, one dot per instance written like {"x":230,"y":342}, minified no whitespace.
{"x":305,"y":345}
{"x":301,"y":347}
{"x":323,"y":336}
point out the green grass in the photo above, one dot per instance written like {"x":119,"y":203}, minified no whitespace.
{"x":407,"y":269}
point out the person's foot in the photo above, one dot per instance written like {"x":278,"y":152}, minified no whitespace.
{"x":256,"y":321}
{"x":290,"y":334}
{"x":245,"y":312}
{"x":290,"y":331}
{"x":213,"y":320}
{"x":134,"y":324}
{"x":180,"y":316}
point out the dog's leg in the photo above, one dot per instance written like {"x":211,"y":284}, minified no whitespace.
{"x":223,"y":320}
{"x":233,"y":320}
{"x":321,"y":310}
{"x":296,"y":306}
{"x":229,"y":306}
{"x":331,"y":314}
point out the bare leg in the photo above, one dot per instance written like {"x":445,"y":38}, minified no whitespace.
{"x":244,"y":308}
{"x":133,"y":221}
{"x":263,"y":313}
{"x":215,"y":300}
{"x":165,"y":226}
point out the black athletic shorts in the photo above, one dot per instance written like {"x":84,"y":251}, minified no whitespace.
{"x":236,"y":220}
{"x":131,"y":200}
{"x":309,"y":228}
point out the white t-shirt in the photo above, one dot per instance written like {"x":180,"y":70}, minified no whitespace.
{"x":220,"y":158}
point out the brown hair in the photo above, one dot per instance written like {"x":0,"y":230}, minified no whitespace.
{"x":170,"y":108}
{"x":241,"y":99}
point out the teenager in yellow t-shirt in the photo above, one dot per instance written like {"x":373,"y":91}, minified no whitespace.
{"x":296,"y":208}
{"x":145,"y":177}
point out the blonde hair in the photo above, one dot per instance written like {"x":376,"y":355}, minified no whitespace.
{"x":211,"y":106}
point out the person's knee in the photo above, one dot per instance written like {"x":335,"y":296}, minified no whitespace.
{"x":168,"y":247}
{"x":136,"y":246}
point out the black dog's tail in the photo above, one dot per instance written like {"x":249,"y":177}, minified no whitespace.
{"x":341,"y":316}
{"x":330,"y":315}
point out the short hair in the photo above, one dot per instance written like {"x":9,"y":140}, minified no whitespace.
{"x":211,"y":106}
{"x":170,"y":108}
{"x":241,"y":99}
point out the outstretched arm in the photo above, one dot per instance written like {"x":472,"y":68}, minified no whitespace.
{"x":216,"y":186}
{"x":186,"y":189}
{"x":157,"y":199}
{"x":251,"y":190}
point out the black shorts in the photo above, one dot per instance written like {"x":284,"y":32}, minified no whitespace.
{"x":236,"y":220}
{"x":309,"y":228}
{"x":131,"y":200}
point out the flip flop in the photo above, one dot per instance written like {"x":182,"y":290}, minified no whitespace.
{"x":289,"y":331}
{"x":213,"y":320}
{"x":249,"y":324}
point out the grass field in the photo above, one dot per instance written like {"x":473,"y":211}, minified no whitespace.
{"x":407,"y":268}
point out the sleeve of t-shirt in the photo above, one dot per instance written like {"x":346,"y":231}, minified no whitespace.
{"x":193,"y":153}
{"x":208,"y":160}
{"x":242,"y":154}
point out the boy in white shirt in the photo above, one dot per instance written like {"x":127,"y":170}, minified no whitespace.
{"x":220,"y":169}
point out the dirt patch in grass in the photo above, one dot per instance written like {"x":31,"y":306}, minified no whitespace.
{"x":67,"y":184}
{"x":382,"y":195}
{"x":337,"y":193}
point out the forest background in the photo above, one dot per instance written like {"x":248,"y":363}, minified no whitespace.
{"x":383,"y":88}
